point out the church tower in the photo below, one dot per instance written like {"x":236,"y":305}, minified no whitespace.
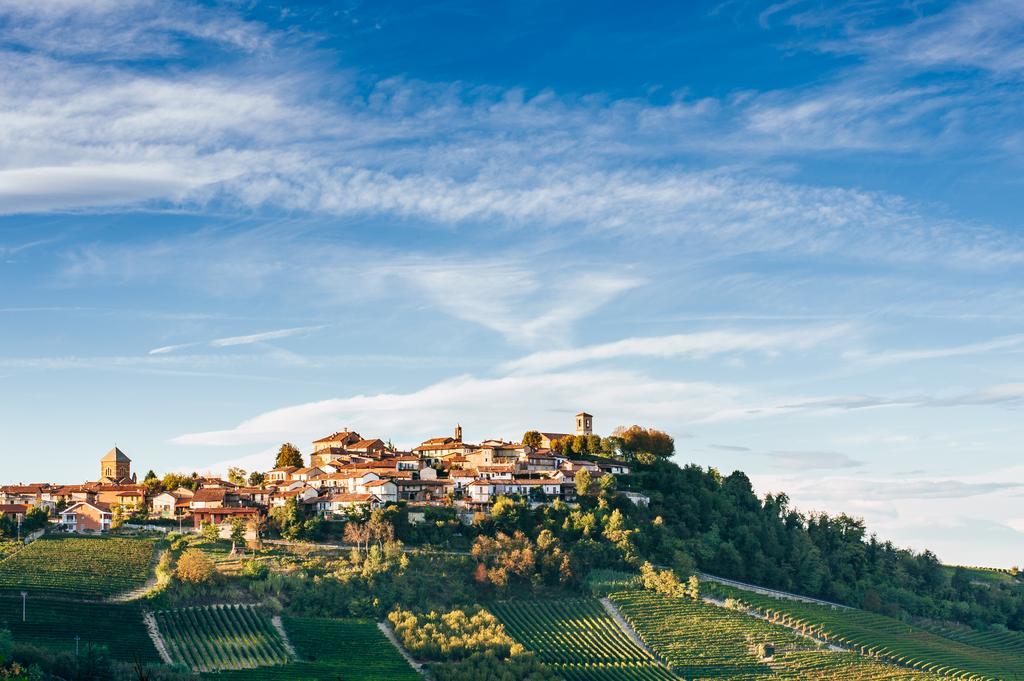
{"x":115,"y":466}
{"x":584,"y":424}
{"x":458,"y":432}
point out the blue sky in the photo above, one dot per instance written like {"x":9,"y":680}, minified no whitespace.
{"x":788,"y":234}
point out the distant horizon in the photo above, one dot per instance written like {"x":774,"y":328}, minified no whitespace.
{"x":787,"y":234}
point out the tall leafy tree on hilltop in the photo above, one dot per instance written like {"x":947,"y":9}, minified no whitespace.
{"x":532,"y":438}
{"x":636,"y":440}
{"x":288,"y":455}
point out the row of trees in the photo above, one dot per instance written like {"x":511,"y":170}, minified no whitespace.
{"x":631,"y":444}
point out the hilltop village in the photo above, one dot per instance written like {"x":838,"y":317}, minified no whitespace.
{"x":347,"y":474}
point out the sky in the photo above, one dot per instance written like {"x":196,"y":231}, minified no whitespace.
{"x":788,"y":234}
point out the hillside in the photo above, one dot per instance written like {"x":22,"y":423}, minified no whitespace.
{"x":532,"y":591}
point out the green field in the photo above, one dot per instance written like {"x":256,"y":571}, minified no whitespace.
{"x":600,"y":583}
{"x":352,"y":650}
{"x":53,"y":624}
{"x":888,"y":638}
{"x":220,"y":637}
{"x":987,"y":575}
{"x":704,"y":641}
{"x":578,"y":640}
{"x":79,"y":567}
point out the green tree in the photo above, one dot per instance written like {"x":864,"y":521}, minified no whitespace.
{"x":532,"y":438}
{"x":236,"y":476}
{"x":35,"y":518}
{"x":256,"y":479}
{"x":194,"y":567}
{"x":209,"y":532}
{"x":606,"y":484}
{"x":288,"y":455}
{"x":238,"y":528}
{"x":584,"y":483}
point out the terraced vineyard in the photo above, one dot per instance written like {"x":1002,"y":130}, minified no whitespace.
{"x":79,"y":567}
{"x":329,"y":649}
{"x":799,"y":665}
{"x":1005,"y":641}
{"x":705,"y":641}
{"x":54,"y":624}
{"x":890,"y":639}
{"x":701,"y":640}
{"x":219,"y":637}
{"x":578,"y":640}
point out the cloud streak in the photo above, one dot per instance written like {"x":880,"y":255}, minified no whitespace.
{"x":232,"y":341}
{"x":695,"y":346}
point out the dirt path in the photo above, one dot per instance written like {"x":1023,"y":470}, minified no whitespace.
{"x":279,"y":625}
{"x":158,"y":640}
{"x":626,"y":627}
{"x":151,"y":583}
{"x":387,"y":631}
{"x":764,"y":591}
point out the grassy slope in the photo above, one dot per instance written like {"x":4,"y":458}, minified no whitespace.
{"x":53,"y":624}
{"x":887,"y":637}
{"x":353,"y":650}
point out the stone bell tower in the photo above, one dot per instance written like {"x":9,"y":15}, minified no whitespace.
{"x":584,"y":424}
{"x":115,"y":465}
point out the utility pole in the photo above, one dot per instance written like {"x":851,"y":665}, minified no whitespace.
{"x":19,"y":528}
{"x":24,"y":606}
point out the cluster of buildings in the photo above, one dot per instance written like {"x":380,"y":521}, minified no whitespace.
{"x":347,"y":473}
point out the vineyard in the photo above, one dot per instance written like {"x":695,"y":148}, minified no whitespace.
{"x":700,"y":640}
{"x":220,"y":637}
{"x":890,"y":639}
{"x":578,"y":640}
{"x":353,"y":650}
{"x":80,"y":567}
{"x":54,"y":624}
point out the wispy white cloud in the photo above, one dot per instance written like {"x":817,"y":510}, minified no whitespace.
{"x":694,"y":345}
{"x":1003,"y":344}
{"x":126,"y":29}
{"x":239,"y":340}
{"x":523,"y":303}
{"x":811,"y":460}
{"x":527,"y":401}
{"x":1007,"y":394}
{"x":101,"y":137}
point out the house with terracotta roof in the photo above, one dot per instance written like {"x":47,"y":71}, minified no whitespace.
{"x":222,"y":517}
{"x":281,"y":474}
{"x":302,"y":496}
{"x":304,"y":474}
{"x":345,"y":442}
{"x":15,"y":511}
{"x":169,"y":504}
{"x":213,"y":497}
{"x":339,"y":506}
{"x":87,"y":516}
{"x":385,"y":490}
